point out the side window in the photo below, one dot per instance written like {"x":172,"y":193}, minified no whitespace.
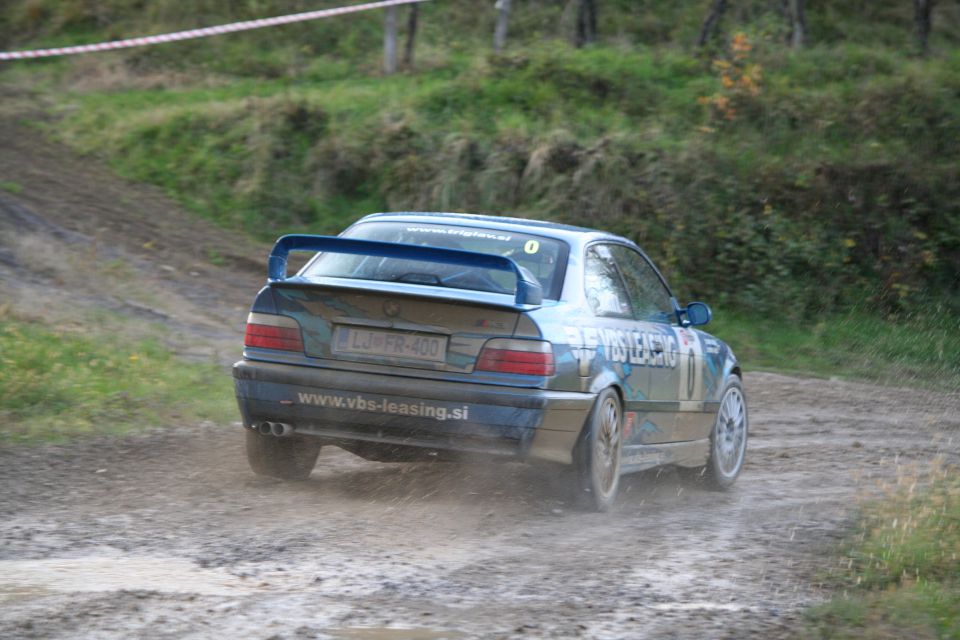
{"x":605,"y":291}
{"x":650,"y":299}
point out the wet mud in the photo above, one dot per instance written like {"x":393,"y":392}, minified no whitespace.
{"x":168,"y":534}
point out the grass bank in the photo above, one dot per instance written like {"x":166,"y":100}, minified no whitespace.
{"x":900,"y":574}
{"x":920,"y":350}
{"x":57,"y":385}
{"x":798,"y":191}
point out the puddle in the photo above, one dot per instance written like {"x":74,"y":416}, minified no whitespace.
{"x":390,"y":633}
{"x":9,"y":593}
{"x":698,"y":606}
{"x":28,"y":579}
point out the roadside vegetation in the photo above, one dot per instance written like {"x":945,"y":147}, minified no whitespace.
{"x":917,"y":350}
{"x":57,"y":385}
{"x":758,"y":176}
{"x":899,"y":575}
{"x":804,"y":197}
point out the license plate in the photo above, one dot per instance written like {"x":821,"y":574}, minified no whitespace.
{"x":392,"y":344}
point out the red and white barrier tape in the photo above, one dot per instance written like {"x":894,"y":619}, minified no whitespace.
{"x":200,"y":33}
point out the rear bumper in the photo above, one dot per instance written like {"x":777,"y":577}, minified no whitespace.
{"x":345,"y":406}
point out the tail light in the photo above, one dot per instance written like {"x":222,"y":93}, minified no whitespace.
{"x":267,"y":331}
{"x":529,"y":357}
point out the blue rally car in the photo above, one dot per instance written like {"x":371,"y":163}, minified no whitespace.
{"x":427,"y":336}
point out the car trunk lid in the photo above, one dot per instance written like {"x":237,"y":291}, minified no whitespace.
{"x":395,"y":324}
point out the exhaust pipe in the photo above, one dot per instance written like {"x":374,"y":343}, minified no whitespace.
{"x":280,"y":430}
{"x":274,"y":429}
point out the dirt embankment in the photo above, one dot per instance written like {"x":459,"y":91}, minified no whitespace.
{"x":76,"y":241}
{"x":168,"y":534}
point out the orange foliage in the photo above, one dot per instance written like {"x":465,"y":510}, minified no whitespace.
{"x":739,"y":79}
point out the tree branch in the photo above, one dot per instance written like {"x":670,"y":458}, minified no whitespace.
{"x":710,"y":22}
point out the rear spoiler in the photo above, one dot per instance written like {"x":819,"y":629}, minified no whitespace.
{"x":529,"y":291}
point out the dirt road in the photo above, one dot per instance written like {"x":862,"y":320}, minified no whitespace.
{"x":167,"y":534}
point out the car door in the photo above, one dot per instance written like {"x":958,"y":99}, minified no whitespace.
{"x":607,"y":332}
{"x":670,"y":368}
{"x":635,"y":349}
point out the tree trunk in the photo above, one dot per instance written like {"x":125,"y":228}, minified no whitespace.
{"x":798,"y":24}
{"x":586,"y":22}
{"x":923,"y":10}
{"x":503,"y":18}
{"x":710,"y":22}
{"x":411,"y":36}
{"x":390,"y":41}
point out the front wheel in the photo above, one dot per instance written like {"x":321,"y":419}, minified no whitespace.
{"x":598,"y":457}
{"x":728,"y":441}
{"x":290,"y":458}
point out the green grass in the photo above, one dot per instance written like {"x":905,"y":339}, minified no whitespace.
{"x":921,"y":351}
{"x":57,"y":385}
{"x":11,"y":187}
{"x":915,"y":611}
{"x":900,"y":575}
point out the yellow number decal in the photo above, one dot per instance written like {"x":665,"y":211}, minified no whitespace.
{"x":532,"y":246}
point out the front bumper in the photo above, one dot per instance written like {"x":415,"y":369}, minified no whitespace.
{"x":434,"y":414}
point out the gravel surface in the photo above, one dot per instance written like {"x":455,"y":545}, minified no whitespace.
{"x":168,"y":534}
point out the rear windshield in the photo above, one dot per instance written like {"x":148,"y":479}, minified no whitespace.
{"x":541,"y":256}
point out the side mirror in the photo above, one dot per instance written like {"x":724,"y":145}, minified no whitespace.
{"x":698,"y":314}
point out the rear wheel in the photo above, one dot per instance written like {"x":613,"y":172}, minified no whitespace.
{"x":728,"y":441}
{"x":598,"y":457}
{"x":290,"y":458}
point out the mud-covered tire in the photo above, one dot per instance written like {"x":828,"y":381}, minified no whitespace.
{"x":728,"y":442}
{"x":598,"y":453}
{"x":290,"y":458}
